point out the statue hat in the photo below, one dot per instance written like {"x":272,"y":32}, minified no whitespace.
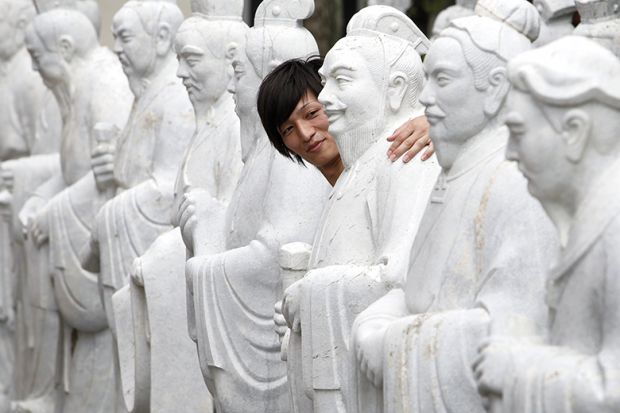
{"x":389,"y":21}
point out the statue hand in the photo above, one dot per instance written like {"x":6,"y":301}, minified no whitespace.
{"x":410,"y":139}
{"x":136,"y":275}
{"x":29,"y":211}
{"x":197,"y":206}
{"x":280,"y":322}
{"x":39,"y":229}
{"x":368,"y":344}
{"x":493,"y":364}
{"x":291,"y":305}
{"x":102,"y":164}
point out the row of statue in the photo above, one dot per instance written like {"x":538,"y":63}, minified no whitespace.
{"x":204,"y":217}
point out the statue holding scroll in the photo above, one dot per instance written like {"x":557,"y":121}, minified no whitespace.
{"x":478,"y":261}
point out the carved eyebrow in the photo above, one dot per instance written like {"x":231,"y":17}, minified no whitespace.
{"x":342,"y":68}
{"x":192,"y":50}
{"x":445,"y":67}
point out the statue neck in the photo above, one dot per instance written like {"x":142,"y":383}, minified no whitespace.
{"x":163,"y":68}
{"x":207,"y":112}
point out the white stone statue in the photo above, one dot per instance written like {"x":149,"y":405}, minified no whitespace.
{"x":27,"y":127}
{"x":139,"y":169}
{"x":478,"y":261}
{"x":600,"y":21}
{"x":232,"y":291}
{"x":89,"y":87}
{"x":372,"y":81}
{"x":564,"y":120}
{"x":557,"y":19}
{"x":157,"y":347}
{"x":462,"y":8}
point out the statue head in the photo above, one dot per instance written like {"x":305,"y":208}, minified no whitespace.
{"x":600,"y":21}
{"x":57,"y":41}
{"x":277,"y":36}
{"x":15,"y":16}
{"x":564,"y":117}
{"x":466,"y":81}
{"x":144,"y":37}
{"x":90,"y":8}
{"x":372,"y":77}
{"x":205,"y":45}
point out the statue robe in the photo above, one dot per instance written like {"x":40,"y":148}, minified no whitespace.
{"x":360,"y":252}
{"x":578,"y":370}
{"x":100,"y":94}
{"x":148,"y":156}
{"x":476,"y":268}
{"x":157,"y":351}
{"x":276,"y":202}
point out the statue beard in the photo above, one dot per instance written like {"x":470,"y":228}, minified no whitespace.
{"x":62,"y":93}
{"x":353,"y":144}
{"x":137,"y":84}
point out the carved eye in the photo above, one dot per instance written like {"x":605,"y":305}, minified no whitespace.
{"x":443,"y":80}
{"x":193,"y":62}
{"x":343,"y":80}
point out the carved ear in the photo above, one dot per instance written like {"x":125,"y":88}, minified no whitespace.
{"x":232,"y":50}
{"x":164,"y":39}
{"x":397,"y":89}
{"x":576,"y":128}
{"x":66,"y":47}
{"x":497,"y":92}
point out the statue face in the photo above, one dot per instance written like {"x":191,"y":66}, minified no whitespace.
{"x":205,"y":77}
{"x":454,"y":107}
{"x":244,"y":86}
{"x":50,"y":64}
{"x":537,"y":148}
{"x":305,"y":132}
{"x":133,"y":45}
{"x":350,"y":96}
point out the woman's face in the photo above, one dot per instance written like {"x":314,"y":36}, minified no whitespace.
{"x":305,"y":132}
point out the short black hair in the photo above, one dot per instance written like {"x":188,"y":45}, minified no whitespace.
{"x":280,"y":93}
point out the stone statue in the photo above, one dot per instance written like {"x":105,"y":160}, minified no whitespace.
{"x":232,"y":290}
{"x":478,"y":261}
{"x":158,"y":339}
{"x":564,"y":119}
{"x":557,"y":19}
{"x":140,"y":170}
{"x":462,"y":8}
{"x":372,"y":81}
{"x":27,"y":127}
{"x":600,"y":21}
{"x":90,"y":89}
{"x":137,"y":171}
